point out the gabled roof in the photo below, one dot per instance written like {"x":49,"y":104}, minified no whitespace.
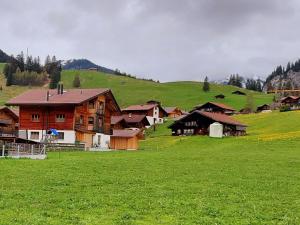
{"x":13,"y":112}
{"x":145,"y":107}
{"x":217,"y":117}
{"x":126,"y":133}
{"x":69,"y":96}
{"x":291,"y":97}
{"x":116,"y":119}
{"x":170,"y":109}
{"x":220,"y":105}
{"x":135,"y":118}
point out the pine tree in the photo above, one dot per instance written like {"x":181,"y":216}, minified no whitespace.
{"x":76,"y":81}
{"x":9,"y":76}
{"x":249,"y":103}
{"x":206,"y":85}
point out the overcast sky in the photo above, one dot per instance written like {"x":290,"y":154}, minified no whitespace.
{"x":161,"y":39}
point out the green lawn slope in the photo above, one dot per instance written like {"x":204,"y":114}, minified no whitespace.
{"x":185,"y":94}
{"x":170,"y":180}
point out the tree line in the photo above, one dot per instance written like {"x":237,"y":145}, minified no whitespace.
{"x":24,"y":71}
{"x":238,"y":81}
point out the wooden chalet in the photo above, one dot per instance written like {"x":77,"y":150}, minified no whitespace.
{"x":79,"y":115}
{"x":238,"y":92}
{"x":220,"y":96}
{"x":9,"y":122}
{"x":173,"y":112}
{"x":125,"y":139}
{"x":215,"y":108}
{"x":290,"y":101}
{"x":198,"y":122}
{"x":263,"y":107}
{"x":152,"y":110}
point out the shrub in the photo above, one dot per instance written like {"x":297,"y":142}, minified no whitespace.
{"x":285,"y":108}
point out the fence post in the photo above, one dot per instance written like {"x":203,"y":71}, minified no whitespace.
{"x":31,"y":149}
{"x":3,"y":150}
{"x":18,"y":151}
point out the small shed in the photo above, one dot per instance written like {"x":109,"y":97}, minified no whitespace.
{"x":216,"y":130}
{"x":220,"y":96}
{"x":238,"y":92}
{"x":125,"y":139}
{"x":263,"y":107}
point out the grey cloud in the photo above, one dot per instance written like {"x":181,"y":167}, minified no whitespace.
{"x":165,"y":40}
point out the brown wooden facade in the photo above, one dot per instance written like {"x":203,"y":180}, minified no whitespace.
{"x":9,"y":121}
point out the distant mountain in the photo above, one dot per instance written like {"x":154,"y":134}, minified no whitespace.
{"x":4,"y":57}
{"x":84,"y":64}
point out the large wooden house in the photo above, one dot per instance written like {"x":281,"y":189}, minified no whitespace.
{"x":215,"y":108}
{"x":292,"y":101}
{"x":79,"y":115}
{"x":198,"y":123}
{"x":152,"y":110}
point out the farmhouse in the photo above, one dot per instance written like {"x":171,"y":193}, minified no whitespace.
{"x":152,"y":110}
{"x":125,"y":139}
{"x":238,"y":92}
{"x":198,"y":123}
{"x":9,"y":122}
{"x":290,"y":101}
{"x":215,"y":108}
{"x":220,"y":96}
{"x":263,"y":107}
{"x":173,"y":112}
{"x":79,"y":115}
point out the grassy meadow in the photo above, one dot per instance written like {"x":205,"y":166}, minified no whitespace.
{"x":185,"y":94}
{"x":170,"y":180}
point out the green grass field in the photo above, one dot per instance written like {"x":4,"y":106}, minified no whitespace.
{"x":170,"y":180}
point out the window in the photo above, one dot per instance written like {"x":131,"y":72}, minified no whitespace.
{"x":91,"y":120}
{"x":91,"y":105}
{"x":61,"y":136}
{"x":60,"y":117}
{"x":34,"y":135}
{"x":101,"y":108}
{"x":35,"y":117}
{"x":81,"y":119}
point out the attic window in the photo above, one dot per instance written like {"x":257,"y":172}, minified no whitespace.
{"x":91,"y":105}
{"x":35,"y":118}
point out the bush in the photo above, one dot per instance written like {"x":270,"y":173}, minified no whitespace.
{"x":285,"y":108}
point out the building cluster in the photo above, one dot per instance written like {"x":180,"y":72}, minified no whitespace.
{"x":93,"y":117}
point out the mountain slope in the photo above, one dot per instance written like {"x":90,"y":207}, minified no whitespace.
{"x":84,"y":64}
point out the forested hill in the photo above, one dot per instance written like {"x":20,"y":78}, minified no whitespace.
{"x":284,"y":77}
{"x":4,"y":57}
{"x":84,"y":64}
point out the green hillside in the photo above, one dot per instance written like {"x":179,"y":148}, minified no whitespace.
{"x":171,"y":180}
{"x":185,"y":94}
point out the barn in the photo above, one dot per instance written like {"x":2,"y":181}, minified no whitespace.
{"x":125,"y":139}
{"x":198,"y":123}
{"x":215,"y":108}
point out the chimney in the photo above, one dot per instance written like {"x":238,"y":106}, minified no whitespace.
{"x":61,"y":89}
{"x":47,"y":96}
{"x":58,"y":89}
